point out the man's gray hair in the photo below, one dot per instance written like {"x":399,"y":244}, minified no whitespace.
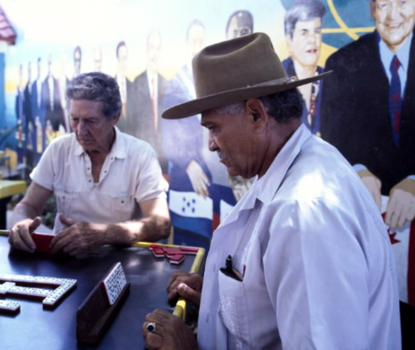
{"x":302,"y":10}
{"x":97,"y":87}
{"x":282,"y":106}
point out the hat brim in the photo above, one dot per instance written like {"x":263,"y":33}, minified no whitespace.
{"x":224,"y":98}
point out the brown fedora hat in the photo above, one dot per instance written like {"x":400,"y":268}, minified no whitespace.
{"x":233,"y":71}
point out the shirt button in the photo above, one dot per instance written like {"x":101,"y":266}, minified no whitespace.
{"x":88,"y":169}
{"x":90,"y":180}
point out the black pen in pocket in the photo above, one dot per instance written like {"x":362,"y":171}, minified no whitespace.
{"x":230,"y":271}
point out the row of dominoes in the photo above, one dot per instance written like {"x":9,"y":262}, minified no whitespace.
{"x":50,"y":296}
{"x":175,"y":255}
{"x":54,"y":297}
{"x":11,"y":288}
{"x":52,"y":281}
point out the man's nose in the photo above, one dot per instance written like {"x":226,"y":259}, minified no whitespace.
{"x":212,"y":143}
{"x":82,"y":128}
{"x":311,"y":37}
{"x":394,"y":11}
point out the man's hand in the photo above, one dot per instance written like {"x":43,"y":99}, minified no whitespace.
{"x":198,"y":178}
{"x":79,"y":237}
{"x":373,"y":185}
{"x":20,"y":236}
{"x":401,"y":204}
{"x":186,"y":285}
{"x":170,"y":333}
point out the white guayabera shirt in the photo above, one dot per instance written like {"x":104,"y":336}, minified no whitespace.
{"x":319,"y":272}
{"x":131,"y":174}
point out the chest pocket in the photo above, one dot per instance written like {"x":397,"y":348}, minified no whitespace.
{"x":65,"y":200}
{"x":234,"y":312}
{"x":122,"y":206}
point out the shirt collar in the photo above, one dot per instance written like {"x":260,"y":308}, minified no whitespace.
{"x":265,"y":188}
{"x":118,"y":149}
{"x":386,"y":54}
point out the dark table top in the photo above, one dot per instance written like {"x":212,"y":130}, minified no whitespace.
{"x":42,"y":329}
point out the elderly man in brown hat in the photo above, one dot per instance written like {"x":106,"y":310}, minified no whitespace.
{"x":303,"y":261}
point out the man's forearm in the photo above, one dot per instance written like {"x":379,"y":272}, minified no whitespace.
{"x":23,"y":211}
{"x":150,"y":229}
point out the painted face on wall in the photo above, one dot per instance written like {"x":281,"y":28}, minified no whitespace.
{"x":123,"y":59}
{"x":237,"y":28}
{"x":50,"y":65}
{"x":92,"y":129}
{"x":39,"y":69}
{"x":394,"y":20}
{"x":196,"y":40}
{"x":77,"y":62}
{"x":29,"y":72}
{"x":97,"y":60}
{"x":153,"y":51}
{"x":305,"y":43}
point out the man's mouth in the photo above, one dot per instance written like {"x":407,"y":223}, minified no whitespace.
{"x":85,"y":140}
{"x":221,"y":155}
{"x":393,"y":25}
{"x":312,"y":51}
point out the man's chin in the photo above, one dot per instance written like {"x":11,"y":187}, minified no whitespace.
{"x":233,"y":172}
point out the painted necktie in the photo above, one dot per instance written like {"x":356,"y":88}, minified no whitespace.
{"x":395,"y":98}
{"x":153,"y":102}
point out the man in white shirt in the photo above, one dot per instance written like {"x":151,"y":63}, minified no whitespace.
{"x":303,"y":261}
{"x":101,"y":177}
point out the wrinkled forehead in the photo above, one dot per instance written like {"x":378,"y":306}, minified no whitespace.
{"x":86,"y":108}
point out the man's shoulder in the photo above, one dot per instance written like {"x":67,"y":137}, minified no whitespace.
{"x":134,"y":144}
{"x":141,"y":77}
{"x":63,"y":142}
{"x":318,"y":173}
{"x":361,"y":48}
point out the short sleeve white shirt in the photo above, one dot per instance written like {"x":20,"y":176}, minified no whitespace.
{"x":130,"y":175}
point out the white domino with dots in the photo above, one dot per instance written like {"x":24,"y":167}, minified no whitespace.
{"x":114,"y":283}
{"x":9,"y":306}
{"x":51,"y":297}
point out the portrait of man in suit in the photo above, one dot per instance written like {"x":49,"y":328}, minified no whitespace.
{"x":188,"y":173}
{"x":51,"y":99}
{"x":63,"y":83}
{"x":97,"y":59}
{"x":38,"y":113}
{"x":127,"y":122}
{"x":302,"y":27}
{"x":368,"y":107}
{"x":150,"y":91}
{"x":77,"y":61}
{"x":29,"y":121}
{"x":20,"y":118}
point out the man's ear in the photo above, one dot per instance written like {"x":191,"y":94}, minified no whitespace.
{"x":116,"y":119}
{"x":372,"y":5}
{"x":256,"y":112}
{"x":288,"y":41}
